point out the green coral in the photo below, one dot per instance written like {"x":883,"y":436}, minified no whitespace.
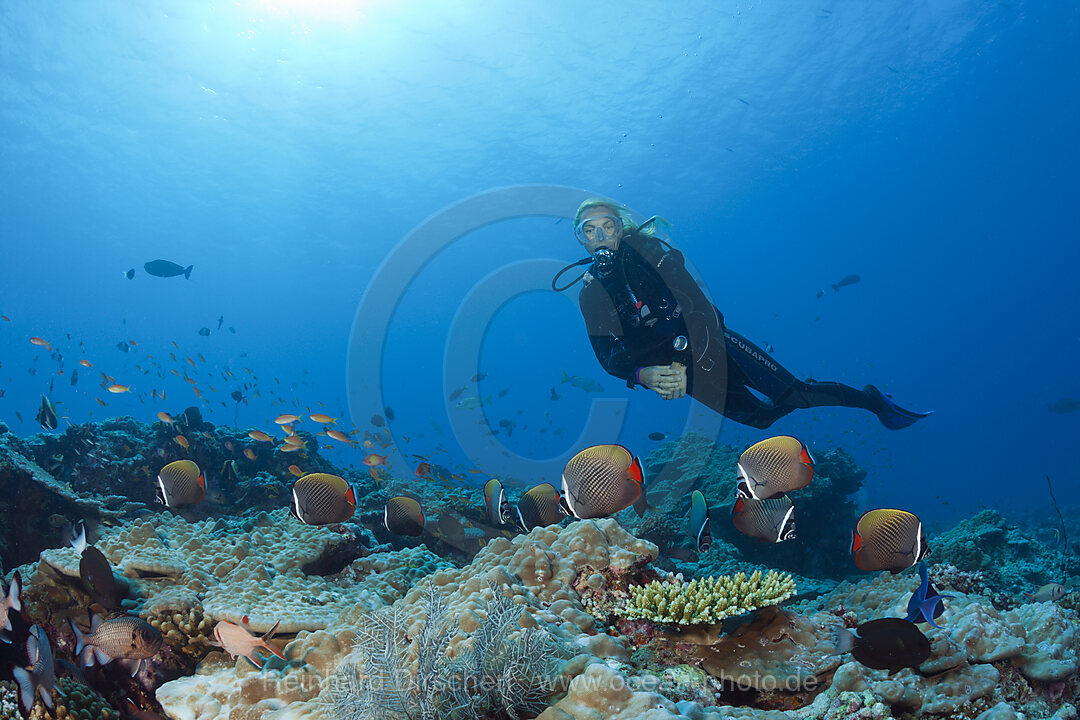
{"x":708,"y":600}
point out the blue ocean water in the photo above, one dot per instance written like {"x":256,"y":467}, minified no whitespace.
{"x":288,"y":150}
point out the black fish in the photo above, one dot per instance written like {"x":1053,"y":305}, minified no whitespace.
{"x":845,"y":281}
{"x":233,"y":331}
{"x":1065,"y":405}
{"x":236,"y":395}
{"x":46,"y":415}
{"x":885,"y":644}
{"x":657,"y":436}
{"x":167,"y":269}
{"x":123,"y":347}
{"x":389,"y":412}
{"x":479,"y":376}
{"x":555,"y":395}
{"x":220,"y":320}
{"x":820,"y":294}
{"x":378,"y":421}
{"x":74,"y":376}
{"x":98,"y":579}
{"x":205,"y":331}
{"x":502,"y":393}
{"x":130,"y":274}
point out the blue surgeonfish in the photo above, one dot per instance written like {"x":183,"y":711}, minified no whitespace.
{"x":697,"y":523}
{"x":926,"y":602}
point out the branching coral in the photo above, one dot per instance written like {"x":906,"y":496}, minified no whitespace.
{"x":706,"y":601}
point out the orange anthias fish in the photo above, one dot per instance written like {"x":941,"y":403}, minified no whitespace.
{"x":249,"y":453}
{"x":322,"y":418}
{"x":286,"y":418}
{"x":259,"y":435}
{"x":165,"y":418}
{"x":119,"y":388}
{"x":238,"y":642}
{"x":86,"y":363}
{"x":182,"y":441}
{"x":42,"y":342}
{"x":423,"y":469}
{"x":337,"y":435}
{"x":296,"y":471}
{"x":374,"y":460}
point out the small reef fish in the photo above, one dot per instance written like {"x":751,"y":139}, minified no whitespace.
{"x":204,"y":331}
{"x":926,"y":602}
{"x":46,"y":415}
{"x":378,"y":421}
{"x":116,"y":389}
{"x":388,"y":412}
{"x":294,"y":440}
{"x":86,"y":363}
{"x":167,"y":269}
{"x":472,"y":402}
{"x":657,"y":436}
{"x":322,"y":418}
{"x":286,"y":419}
{"x":322,"y":499}
{"x":403,"y":516}
{"x":697,"y":521}
{"x":1064,"y":406}
{"x":41,"y":342}
{"x":1050,"y":592}
{"x":182,"y":441}
{"x":554,"y":396}
{"x":845,"y":281}
{"x":181,"y":483}
{"x":602,"y":480}
{"x":249,"y":454}
{"x":771,"y":520}
{"x":296,"y":471}
{"x":260,"y":436}
{"x":495,"y":502}
{"x":888,"y":539}
{"x":457,"y":392}
{"x":129,"y":274}
{"x":539,"y":506}
{"x":885,"y":644}
{"x":97,"y":578}
{"x":165,"y":417}
{"x":11,"y":601}
{"x":39,"y":678}
{"x":128,"y":639}
{"x":582,"y":383}
{"x":289,"y":447}
{"x":238,"y":642}
{"x":374,"y":460}
{"x":338,"y":435}
{"x":78,"y":538}
{"x":773,"y":467}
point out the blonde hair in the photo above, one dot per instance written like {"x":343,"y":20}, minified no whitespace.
{"x":621,"y":210}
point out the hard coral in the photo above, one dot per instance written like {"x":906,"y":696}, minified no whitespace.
{"x":706,"y":601}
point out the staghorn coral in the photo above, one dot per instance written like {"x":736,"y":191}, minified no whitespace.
{"x":706,"y":601}
{"x":492,"y":676}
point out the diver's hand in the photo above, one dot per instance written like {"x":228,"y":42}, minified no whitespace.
{"x":668,"y":381}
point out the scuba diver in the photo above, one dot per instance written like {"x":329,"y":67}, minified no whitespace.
{"x":651,"y":325}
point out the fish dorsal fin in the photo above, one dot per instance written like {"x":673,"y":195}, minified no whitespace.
{"x":95,"y":622}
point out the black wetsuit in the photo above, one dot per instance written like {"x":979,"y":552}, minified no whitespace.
{"x":648,"y":310}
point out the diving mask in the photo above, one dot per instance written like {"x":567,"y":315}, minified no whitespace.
{"x":598,"y":229}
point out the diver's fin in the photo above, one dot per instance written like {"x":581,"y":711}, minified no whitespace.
{"x":889,"y":413}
